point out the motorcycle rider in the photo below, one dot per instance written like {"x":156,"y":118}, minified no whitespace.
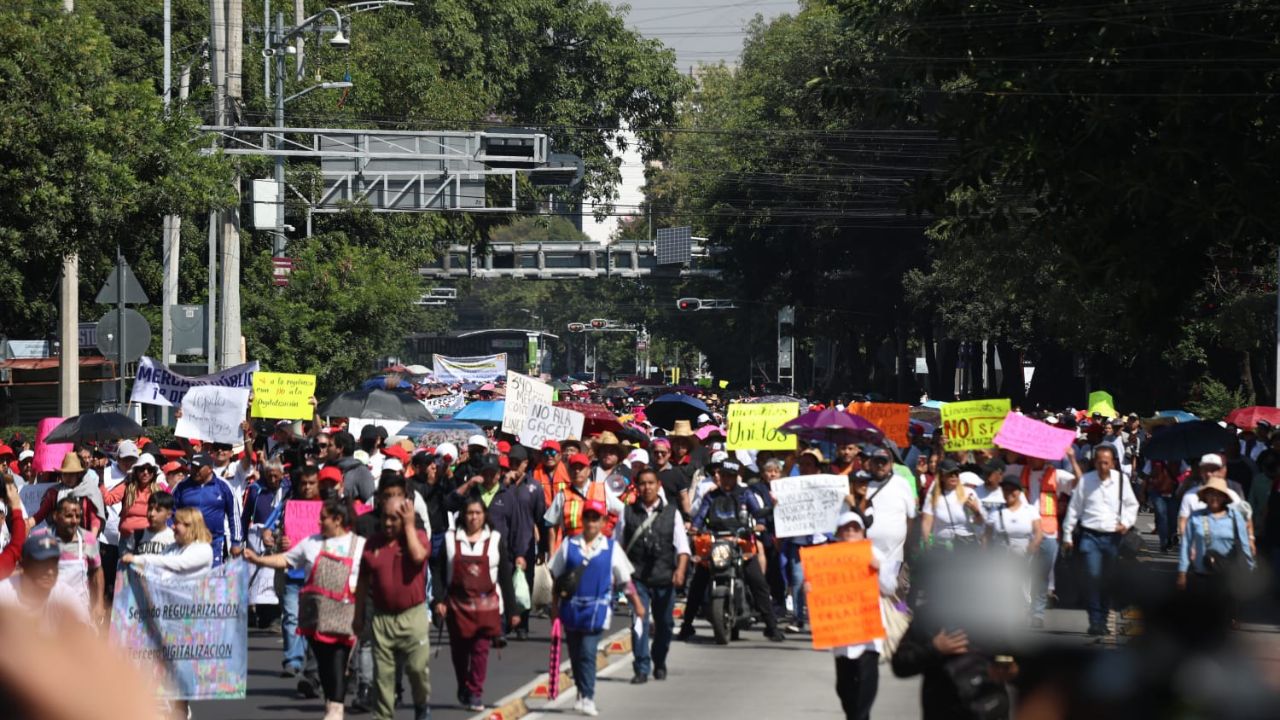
{"x":730,"y":508}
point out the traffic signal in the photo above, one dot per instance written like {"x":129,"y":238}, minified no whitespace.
{"x":688,"y":304}
{"x":599,"y":323}
{"x":576,"y":327}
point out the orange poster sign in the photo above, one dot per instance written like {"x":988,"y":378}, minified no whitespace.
{"x":844,"y":594}
{"x":891,"y":418}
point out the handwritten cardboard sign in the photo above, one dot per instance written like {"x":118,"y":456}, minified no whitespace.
{"x":523,"y":392}
{"x":892,"y":418}
{"x":807,"y":504}
{"x":283,"y":396}
{"x":754,"y":426}
{"x":548,"y":422}
{"x":213,"y":414}
{"x":1033,"y":438}
{"x":973,"y":424}
{"x":844,"y":594}
{"x":301,"y":520}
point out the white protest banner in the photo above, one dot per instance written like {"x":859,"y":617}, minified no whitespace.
{"x":548,"y":422}
{"x":156,"y":384}
{"x":213,"y":414}
{"x":808,"y":504}
{"x":523,"y":393}
{"x":446,"y":405}
{"x":480,"y":368}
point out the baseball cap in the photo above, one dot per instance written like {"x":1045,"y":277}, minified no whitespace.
{"x":127,"y":449}
{"x":993,"y":466}
{"x":330,"y":474}
{"x":718,"y":457}
{"x":489,"y":464}
{"x":6,"y":451}
{"x":200,"y":461}
{"x":879,"y":453}
{"x":504,"y":447}
{"x":970,"y":479}
{"x":478,"y":440}
{"x":732,"y":466}
{"x":639,"y":455}
{"x":26,"y":455}
{"x":579,"y":459}
{"x":850,"y":516}
{"x":146,"y":460}
{"x":1011,"y":481}
{"x":392,"y":464}
{"x":595,"y":506}
{"x":41,"y":547}
{"x":172,"y":466}
{"x":448,"y":450}
{"x":518,"y":454}
{"x":551,"y":445}
{"x":947,"y":466}
{"x":1211,"y":460}
{"x":504,"y":462}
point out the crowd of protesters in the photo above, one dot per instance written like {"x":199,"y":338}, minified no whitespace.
{"x":464,"y":534}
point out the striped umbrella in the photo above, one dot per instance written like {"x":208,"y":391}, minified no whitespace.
{"x":553,"y":666}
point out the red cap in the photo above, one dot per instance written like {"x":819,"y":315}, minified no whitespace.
{"x":396,"y":452}
{"x":172,"y":453}
{"x":504,"y":447}
{"x":330,"y":474}
{"x":579,"y":459}
{"x":6,"y":451}
{"x":596,"y":507}
{"x":551,"y":445}
{"x":504,"y":462}
{"x":172,"y":466}
{"x":142,"y":441}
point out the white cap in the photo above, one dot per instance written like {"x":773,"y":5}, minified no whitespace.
{"x":719,"y":456}
{"x":449,"y":449}
{"x":849,"y":516}
{"x":126,"y":449}
{"x":146,"y":459}
{"x":25,"y":454}
{"x":704,"y":418}
{"x":1212,"y":459}
{"x":970,"y":479}
{"x":1052,"y":419}
{"x":392,"y":464}
{"x":478,"y":439}
{"x":639,"y":455}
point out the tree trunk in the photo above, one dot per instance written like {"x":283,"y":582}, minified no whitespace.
{"x":948,"y":353}
{"x":1246,"y":378}
{"x":930,"y":358}
{"x":1011,"y":385}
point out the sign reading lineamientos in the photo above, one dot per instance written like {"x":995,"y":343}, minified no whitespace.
{"x":973,"y":424}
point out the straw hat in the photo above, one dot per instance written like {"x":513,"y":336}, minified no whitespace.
{"x":683,"y":428}
{"x":71,"y":464}
{"x":606,"y":441}
{"x":1219,"y":484}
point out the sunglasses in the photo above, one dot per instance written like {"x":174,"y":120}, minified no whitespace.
{"x":661,"y":452}
{"x":550,"y":453}
{"x":321,"y":446}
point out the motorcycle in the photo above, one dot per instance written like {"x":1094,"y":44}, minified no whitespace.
{"x":728,"y":604}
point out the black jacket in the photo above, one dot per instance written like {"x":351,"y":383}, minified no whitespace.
{"x":916,"y":655}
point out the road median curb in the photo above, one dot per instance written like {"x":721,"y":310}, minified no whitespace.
{"x":516,"y":705}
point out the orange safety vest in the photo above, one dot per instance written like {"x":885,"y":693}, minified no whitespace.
{"x":551,"y":485}
{"x":574,"y":502}
{"x":1048,"y":497}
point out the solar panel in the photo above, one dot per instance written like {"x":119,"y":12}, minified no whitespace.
{"x":674,"y":246}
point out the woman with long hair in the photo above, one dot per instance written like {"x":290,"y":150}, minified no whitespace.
{"x":133,"y":494}
{"x":192,"y":551}
{"x":331,"y":560}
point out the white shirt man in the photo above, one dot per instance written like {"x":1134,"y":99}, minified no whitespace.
{"x":895,"y":507}
{"x":1104,"y":504}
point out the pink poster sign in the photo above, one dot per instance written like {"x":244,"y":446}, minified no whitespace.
{"x":1033,"y":438}
{"x":301,"y":520}
{"x":49,"y":457}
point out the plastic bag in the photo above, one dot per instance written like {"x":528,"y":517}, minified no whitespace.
{"x":542,"y":584}
{"x":520,"y":584}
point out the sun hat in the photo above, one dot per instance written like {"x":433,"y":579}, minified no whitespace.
{"x":1216,"y":483}
{"x":71,"y":464}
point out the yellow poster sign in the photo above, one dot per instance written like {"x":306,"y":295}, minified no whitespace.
{"x":282,"y":396}
{"x":973,"y":424}
{"x":1100,"y":401}
{"x":754,"y":426}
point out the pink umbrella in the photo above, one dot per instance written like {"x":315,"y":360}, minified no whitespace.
{"x":553,"y":669}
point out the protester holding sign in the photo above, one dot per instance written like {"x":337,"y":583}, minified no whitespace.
{"x":281,"y":531}
{"x":331,"y":560}
{"x":857,"y":665}
{"x":191,"y":552}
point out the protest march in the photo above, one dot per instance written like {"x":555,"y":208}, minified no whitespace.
{"x":360,"y":543}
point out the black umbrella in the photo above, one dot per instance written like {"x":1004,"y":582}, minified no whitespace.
{"x":667,"y":409}
{"x":94,"y":427}
{"x":1187,"y":440}
{"x":375,"y":405}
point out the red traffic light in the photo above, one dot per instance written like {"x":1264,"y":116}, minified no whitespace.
{"x":576,"y":327}
{"x":688,"y":304}
{"x":599,"y":323}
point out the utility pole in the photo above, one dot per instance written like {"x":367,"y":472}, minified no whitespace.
{"x":69,"y":322}
{"x":217,"y":67}
{"x":231,"y":217}
{"x":172,"y":223}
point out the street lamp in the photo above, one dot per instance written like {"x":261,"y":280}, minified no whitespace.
{"x":277,"y":47}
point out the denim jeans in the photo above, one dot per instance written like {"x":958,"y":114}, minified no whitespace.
{"x":795,"y":582}
{"x":1100,"y":551}
{"x":295,"y":646}
{"x":657,"y":625}
{"x":1166,"y":517}
{"x":1042,"y":575}
{"x":582,"y":658}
